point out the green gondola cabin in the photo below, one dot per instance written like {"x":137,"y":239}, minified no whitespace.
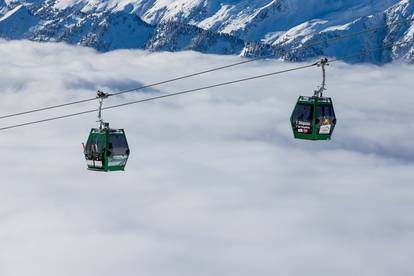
{"x":313,"y":118}
{"x":106,"y":149}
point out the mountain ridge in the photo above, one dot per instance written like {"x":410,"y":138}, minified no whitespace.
{"x":278,"y":28}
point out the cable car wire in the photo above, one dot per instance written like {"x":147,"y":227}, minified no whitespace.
{"x":160,"y":97}
{"x":360,"y":54}
{"x":201,"y":72}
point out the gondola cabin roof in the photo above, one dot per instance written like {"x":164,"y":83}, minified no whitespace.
{"x":311,"y":100}
{"x":104,"y":130}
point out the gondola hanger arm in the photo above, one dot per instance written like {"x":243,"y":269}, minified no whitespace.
{"x":322,"y":63}
{"x":101,"y":96}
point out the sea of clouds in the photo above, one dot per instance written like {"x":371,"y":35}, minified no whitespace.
{"x":215,"y":184}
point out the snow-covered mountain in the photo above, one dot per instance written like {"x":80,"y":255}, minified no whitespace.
{"x":248,"y":27}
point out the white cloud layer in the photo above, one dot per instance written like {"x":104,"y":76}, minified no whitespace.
{"x":215,"y":185}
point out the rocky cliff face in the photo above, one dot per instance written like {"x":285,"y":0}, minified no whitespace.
{"x":174,"y":36}
{"x":278,"y":28}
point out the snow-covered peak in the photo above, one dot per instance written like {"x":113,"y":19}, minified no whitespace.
{"x":276,"y":27}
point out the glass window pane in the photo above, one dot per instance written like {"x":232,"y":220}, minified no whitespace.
{"x":303,"y":112}
{"x":324,"y":111}
{"x":118,"y":144}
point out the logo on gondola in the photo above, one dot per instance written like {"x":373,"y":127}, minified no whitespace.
{"x":303,"y":124}
{"x":303,"y":127}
